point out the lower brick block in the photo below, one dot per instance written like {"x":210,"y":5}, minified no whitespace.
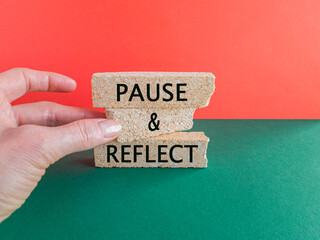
{"x":174,"y":150}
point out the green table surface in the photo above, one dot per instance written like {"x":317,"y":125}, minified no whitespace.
{"x":262,"y":182}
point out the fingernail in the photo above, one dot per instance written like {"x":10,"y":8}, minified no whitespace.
{"x":109,"y":128}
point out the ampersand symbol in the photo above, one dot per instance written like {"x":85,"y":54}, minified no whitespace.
{"x":154,"y":123}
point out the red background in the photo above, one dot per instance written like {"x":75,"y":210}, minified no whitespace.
{"x":265,"y":54}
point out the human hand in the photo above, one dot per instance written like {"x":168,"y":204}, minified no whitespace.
{"x":35,"y":135}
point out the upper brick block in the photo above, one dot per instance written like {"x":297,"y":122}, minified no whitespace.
{"x":152,"y":89}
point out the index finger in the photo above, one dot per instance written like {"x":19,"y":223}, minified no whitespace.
{"x":18,"y":81}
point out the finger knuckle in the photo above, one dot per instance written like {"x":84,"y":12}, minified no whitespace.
{"x":20,"y":70}
{"x":17,"y":69}
{"x":84,"y":132}
{"x":49,"y":112}
{"x":51,"y":118}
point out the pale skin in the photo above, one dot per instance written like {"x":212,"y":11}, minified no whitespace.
{"x":35,"y":135}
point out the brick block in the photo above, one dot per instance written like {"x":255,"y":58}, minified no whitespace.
{"x":136,"y":123}
{"x":173,"y":150}
{"x":152,"y":89}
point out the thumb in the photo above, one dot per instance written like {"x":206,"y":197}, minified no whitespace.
{"x":79,"y":136}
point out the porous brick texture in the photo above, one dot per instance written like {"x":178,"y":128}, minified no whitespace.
{"x":136,"y":123}
{"x":200,"y":86}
